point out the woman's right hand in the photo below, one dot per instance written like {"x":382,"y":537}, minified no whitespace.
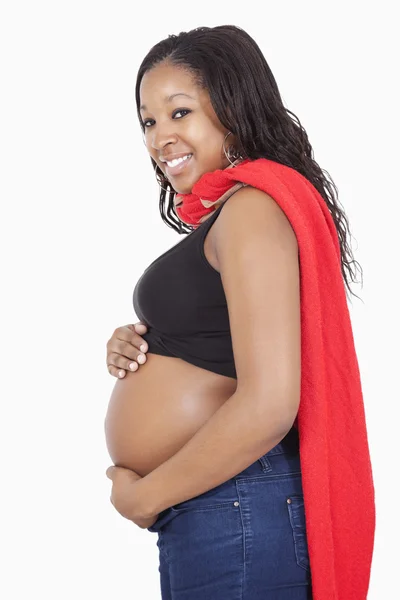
{"x":125,"y":351}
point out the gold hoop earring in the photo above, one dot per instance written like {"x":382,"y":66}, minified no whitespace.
{"x":233,"y":152}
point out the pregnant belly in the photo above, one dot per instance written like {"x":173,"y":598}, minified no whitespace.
{"x":153,"y":412}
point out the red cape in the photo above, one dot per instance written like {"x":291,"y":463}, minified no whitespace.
{"x":338,"y":487}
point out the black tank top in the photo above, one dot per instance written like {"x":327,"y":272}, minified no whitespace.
{"x":181,"y":299}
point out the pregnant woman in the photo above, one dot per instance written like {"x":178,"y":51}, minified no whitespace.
{"x":233,"y":397}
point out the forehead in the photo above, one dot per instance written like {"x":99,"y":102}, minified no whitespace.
{"x":165,"y":80}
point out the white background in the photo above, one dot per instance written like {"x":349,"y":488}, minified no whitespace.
{"x":80,"y":222}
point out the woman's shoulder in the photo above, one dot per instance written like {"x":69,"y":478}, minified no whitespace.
{"x":252,"y":211}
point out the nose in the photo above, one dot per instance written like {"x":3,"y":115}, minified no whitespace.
{"x":162,"y":135}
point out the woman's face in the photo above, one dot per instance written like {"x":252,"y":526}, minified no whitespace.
{"x":181,"y":125}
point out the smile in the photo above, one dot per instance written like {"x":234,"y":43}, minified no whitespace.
{"x":177,"y":165}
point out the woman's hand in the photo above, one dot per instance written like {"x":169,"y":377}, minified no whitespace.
{"x":126,"y":349}
{"x":126,"y":499}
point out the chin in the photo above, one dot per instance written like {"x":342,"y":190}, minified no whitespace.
{"x":179,"y":189}
{"x":184,"y":188}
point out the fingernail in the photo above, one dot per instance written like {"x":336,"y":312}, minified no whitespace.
{"x":143,"y":348}
{"x":133,"y":366}
{"x":141,"y":358}
{"x":121,"y":373}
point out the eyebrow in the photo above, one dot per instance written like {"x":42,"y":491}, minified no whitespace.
{"x":169,"y":98}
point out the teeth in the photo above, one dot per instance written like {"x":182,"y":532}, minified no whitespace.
{"x":176,"y":161}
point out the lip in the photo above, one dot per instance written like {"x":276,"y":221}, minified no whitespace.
{"x":173,"y":156}
{"x":178,"y":168}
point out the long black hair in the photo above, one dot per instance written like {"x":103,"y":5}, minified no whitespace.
{"x":227,"y":62}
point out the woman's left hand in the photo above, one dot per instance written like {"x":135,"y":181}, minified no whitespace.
{"x":125,"y":498}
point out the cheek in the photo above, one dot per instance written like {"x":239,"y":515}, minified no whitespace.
{"x":147,"y":143}
{"x":207,"y":143}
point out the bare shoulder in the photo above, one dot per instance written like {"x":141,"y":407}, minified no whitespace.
{"x":250,"y":210}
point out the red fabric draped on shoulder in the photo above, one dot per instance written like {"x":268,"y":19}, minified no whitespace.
{"x":337,"y":478}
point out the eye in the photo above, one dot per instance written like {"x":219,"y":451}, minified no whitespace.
{"x":180,"y":110}
{"x":145,"y":123}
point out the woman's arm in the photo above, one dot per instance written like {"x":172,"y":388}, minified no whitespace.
{"x":257,"y":253}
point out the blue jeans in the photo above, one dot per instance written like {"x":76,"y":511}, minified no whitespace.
{"x":242,"y":540}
